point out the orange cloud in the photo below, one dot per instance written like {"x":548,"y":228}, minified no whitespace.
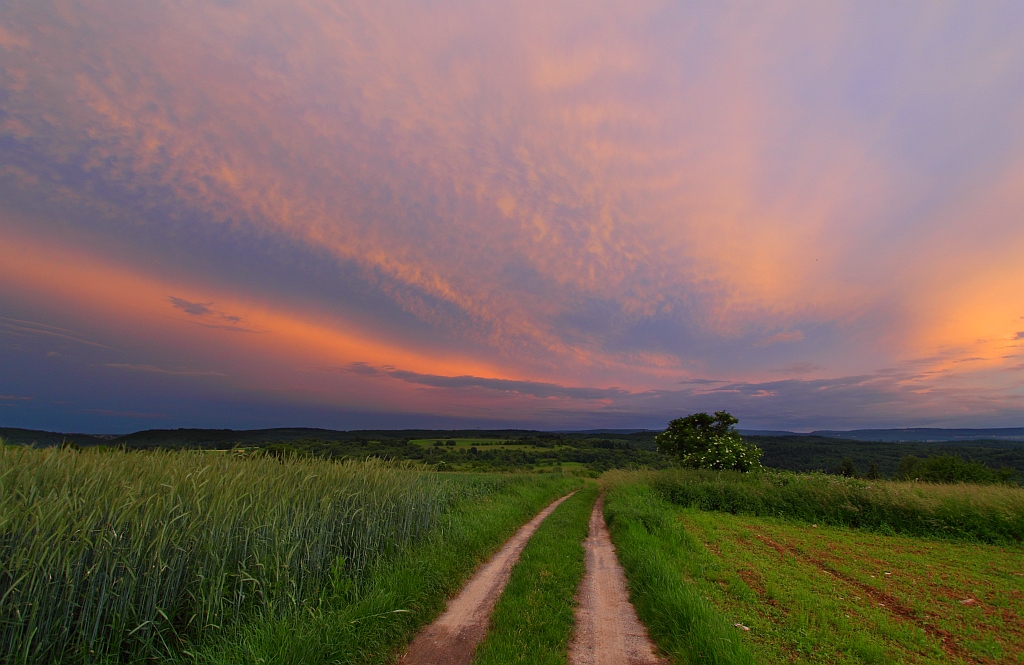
{"x":128,"y":305}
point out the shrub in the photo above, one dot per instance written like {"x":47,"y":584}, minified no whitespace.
{"x":701,"y":441}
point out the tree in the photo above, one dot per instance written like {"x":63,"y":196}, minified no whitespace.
{"x":701,"y":441}
{"x":873,"y":473}
{"x":847,"y":468}
{"x":908,"y":468}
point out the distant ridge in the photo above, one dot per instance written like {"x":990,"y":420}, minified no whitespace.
{"x":219,"y":438}
{"x":907,"y":434}
{"x":601,"y":449}
{"x":927,"y":434}
{"x":603,"y":431}
{"x":225,"y":438}
{"x":769,"y":432}
{"x":40,"y":438}
{"x":216,"y":438}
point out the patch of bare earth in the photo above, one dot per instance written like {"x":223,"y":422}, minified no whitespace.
{"x":608,"y":631}
{"x":452,"y":639}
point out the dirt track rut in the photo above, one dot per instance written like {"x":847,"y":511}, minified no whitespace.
{"x":453,"y":637}
{"x":608,"y":631}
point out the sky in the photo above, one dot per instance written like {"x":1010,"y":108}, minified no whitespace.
{"x":551,"y":214}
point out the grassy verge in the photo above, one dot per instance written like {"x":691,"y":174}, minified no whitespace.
{"x":366,"y":623}
{"x":658,"y":556}
{"x":533,"y":620}
{"x":979,"y":513}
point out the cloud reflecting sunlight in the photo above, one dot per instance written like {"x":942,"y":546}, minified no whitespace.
{"x":568,"y":214}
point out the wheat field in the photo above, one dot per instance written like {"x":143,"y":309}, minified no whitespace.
{"x":131,"y":556}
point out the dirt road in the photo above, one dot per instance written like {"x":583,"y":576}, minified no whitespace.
{"x":608,"y":631}
{"x":452,"y":638}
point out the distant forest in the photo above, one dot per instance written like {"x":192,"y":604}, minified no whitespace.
{"x":594,"y":450}
{"x":819,"y":453}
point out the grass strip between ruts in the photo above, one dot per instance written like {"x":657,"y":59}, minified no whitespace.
{"x":368,"y":624}
{"x":534,"y":618}
{"x":650,"y":545}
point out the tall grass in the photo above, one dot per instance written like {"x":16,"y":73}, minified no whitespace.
{"x":982,"y":513}
{"x":115,"y":556}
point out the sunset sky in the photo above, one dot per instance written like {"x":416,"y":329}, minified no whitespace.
{"x":551,"y":214}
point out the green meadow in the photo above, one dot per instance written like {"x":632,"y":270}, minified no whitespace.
{"x":758,"y":568}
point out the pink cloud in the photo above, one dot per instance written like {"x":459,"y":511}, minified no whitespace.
{"x":776,"y":338}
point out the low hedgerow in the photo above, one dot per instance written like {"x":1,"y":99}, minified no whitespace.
{"x":983,"y":513}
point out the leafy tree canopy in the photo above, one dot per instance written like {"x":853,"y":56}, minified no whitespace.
{"x":702,"y":441}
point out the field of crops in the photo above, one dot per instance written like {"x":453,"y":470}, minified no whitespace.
{"x":134,"y":556}
{"x":716,"y":587}
{"x":834,"y":595}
